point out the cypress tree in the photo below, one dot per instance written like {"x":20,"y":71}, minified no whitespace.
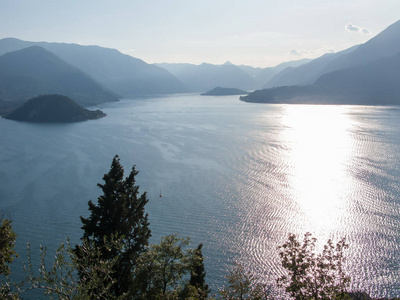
{"x":118,"y":224}
{"x":198,"y":274}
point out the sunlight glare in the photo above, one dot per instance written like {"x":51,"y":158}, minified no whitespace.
{"x":319,"y":144}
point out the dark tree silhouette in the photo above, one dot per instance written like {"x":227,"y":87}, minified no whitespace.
{"x":118,"y":224}
{"x":198,"y":274}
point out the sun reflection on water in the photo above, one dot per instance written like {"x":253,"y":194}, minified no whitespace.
{"x":319,"y":144}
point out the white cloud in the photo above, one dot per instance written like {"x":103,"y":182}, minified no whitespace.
{"x":296,"y":52}
{"x":320,"y":51}
{"x":353,"y":28}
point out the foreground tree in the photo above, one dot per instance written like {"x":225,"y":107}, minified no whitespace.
{"x":7,"y":255}
{"x":311,"y":275}
{"x":161,"y":268}
{"x":243,"y":285}
{"x":7,"y":244}
{"x":198,"y":274}
{"x":119,"y":216}
{"x":60,"y":279}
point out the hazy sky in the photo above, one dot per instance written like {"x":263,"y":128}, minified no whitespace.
{"x":253,"y":32}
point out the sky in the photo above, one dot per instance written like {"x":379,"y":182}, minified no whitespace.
{"x":258,"y":33}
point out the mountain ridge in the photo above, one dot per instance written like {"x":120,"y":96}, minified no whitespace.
{"x":205,"y":76}
{"x":123,"y":74}
{"x":365,"y":75}
{"x":33,"y":71}
{"x":307,"y":73}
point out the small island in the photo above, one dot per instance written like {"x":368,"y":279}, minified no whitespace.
{"x":53,"y":109}
{"x":220,"y":91}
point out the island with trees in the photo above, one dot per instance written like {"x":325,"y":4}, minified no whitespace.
{"x":53,"y":109}
{"x":220,"y":91}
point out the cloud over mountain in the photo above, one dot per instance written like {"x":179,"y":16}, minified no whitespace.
{"x":353,"y":28}
{"x":322,"y":50}
{"x":296,"y":52}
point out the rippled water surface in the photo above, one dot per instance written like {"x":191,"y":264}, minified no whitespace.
{"x":236,"y":176}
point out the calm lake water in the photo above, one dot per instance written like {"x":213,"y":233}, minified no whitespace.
{"x":235,"y":176}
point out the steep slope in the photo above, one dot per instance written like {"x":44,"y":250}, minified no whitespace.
{"x":377,"y":81}
{"x":53,"y":108}
{"x":307,"y":73}
{"x":374,"y":83}
{"x":33,"y":71}
{"x":123,"y":74}
{"x":385,"y":44}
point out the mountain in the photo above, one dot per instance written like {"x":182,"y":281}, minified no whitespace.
{"x":201,"y":78}
{"x":306,"y":73}
{"x":123,"y":74}
{"x":368,"y":74}
{"x":204,"y":77}
{"x":377,"y":81}
{"x":385,"y":44}
{"x":34,"y":71}
{"x":291,"y":64}
{"x":220,"y":91}
{"x":53,"y":108}
{"x":373,"y":83}
{"x":307,"y":94}
{"x":263,"y":75}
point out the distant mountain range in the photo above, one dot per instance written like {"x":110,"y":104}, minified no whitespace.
{"x":204,"y":77}
{"x":364,"y":74}
{"x":92,"y":75}
{"x":34,"y":71}
{"x":123,"y":74}
{"x":306,"y":73}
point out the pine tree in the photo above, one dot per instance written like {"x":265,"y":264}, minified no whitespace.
{"x":118,"y":224}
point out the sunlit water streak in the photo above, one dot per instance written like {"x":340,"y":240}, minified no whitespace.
{"x":320,"y":148}
{"x":238,"y":177}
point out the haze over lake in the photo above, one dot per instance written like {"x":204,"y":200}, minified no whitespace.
{"x":235,"y":176}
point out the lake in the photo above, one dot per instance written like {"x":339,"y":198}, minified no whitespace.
{"x":236,"y":176}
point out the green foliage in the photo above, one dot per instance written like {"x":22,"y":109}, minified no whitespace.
{"x":119,"y":214}
{"x":243,"y":285}
{"x":161,"y":268}
{"x":7,"y":243}
{"x":7,"y":255}
{"x":198,"y":274}
{"x":96,"y":274}
{"x":310,"y":275}
{"x":115,"y":261}
{"x":60,"y":279}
